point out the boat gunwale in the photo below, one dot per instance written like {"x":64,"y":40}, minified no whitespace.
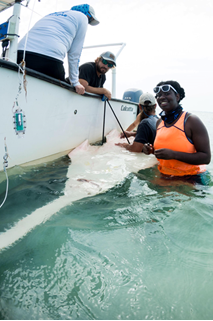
{"x":35,"y":74}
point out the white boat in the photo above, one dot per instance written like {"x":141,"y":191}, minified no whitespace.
{"x":48,"y":119}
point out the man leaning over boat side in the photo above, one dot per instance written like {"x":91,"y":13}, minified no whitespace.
{"x":54,"y":36}
{"x":92,"y":74}
{"x":146,"y":131}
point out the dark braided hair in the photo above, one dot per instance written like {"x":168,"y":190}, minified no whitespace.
{"x":176,"y":85}
{"x":146,"y":111}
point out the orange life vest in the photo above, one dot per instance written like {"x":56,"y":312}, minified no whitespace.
{"x":174,"y":138}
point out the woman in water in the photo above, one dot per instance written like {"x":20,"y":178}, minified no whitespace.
{"x":182,"y":142}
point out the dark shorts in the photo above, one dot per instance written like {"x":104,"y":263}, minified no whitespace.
{"x":47,"y":65}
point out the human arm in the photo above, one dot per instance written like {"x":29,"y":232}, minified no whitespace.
{"x":143,"y":135}
{"x":135,"y":123}
{"x":128,"y":134}
{"x":149,"y":148}
{"x":74,"y":54}
{"x":95,"y":90}
{"x":197,"y":132}
{"x":129,"y":130}
{"x":135,"y":147}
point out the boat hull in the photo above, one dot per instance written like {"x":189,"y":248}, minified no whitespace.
{"x":57,"y":119}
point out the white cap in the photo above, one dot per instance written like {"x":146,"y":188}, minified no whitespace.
{"x":147,"y":97}
{"x":92,"y":12}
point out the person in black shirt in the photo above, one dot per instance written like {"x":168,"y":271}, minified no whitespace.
{"x":147,"y":128}
{"x":92,"y":74}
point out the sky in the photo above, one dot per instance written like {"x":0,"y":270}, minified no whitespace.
{"x":165,"y":40}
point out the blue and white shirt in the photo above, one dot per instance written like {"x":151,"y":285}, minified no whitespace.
{"x":58,"y":34}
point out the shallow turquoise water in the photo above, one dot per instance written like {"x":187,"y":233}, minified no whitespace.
{"x":142,"y":250}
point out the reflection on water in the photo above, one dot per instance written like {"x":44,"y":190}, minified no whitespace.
{"x":142,"y":250}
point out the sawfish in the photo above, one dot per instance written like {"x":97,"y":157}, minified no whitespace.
{"x":93,"y":170}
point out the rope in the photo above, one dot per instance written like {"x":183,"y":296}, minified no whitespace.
{"x":26,"y":6}
{"x":7,"y":186}
{"x":25,"y":45}
{"x":5,"y":164}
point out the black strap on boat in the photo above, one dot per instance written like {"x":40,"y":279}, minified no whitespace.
{"x":118,"y":121}
{"x":104,"y":138}
{"x":104,"y":98}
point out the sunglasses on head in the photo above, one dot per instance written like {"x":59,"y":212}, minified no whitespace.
{"x":105,"y":62}
{"x":164,"y":88}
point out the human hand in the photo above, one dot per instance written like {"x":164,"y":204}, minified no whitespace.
{"x":128,"y":134}
{"x":107,"y":93}
{"x":164,"y":153}
{"x":120,"y":144}
{"x":80,"y":89}
{"x":148,"y":149}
